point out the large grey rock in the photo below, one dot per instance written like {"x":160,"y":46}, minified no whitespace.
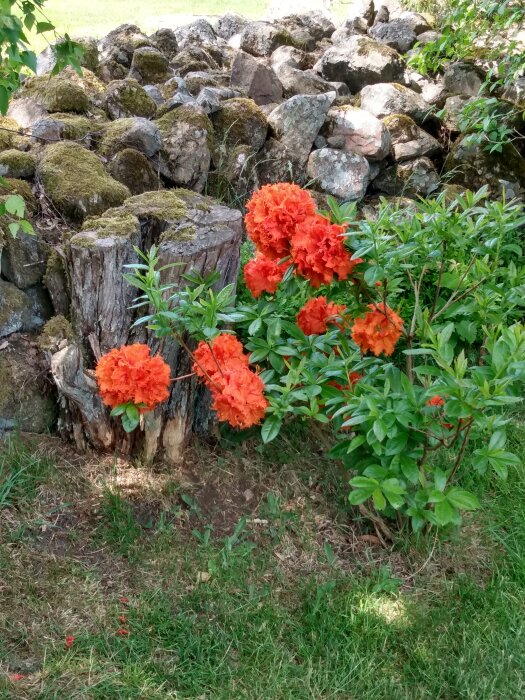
{"x":149,"y":66}
{"x":240,"y":121}
{"x":397,"y":34}
{"x":360,"y":132}
{"x":256,"y":80}
{"x":408,"y":139}
{"x":193,"y":58}
{"x":17,"y":164}
{"x":361,"y":61}
{"x":472,"y":166}
{"x":277,"y":163}
{"x":196,"y":33}
{"x":133,"y":169}
{"x":165,"y":41}
{"x":134,"y":132}
{"x":46,"y":60}
{"x":315,"y":23}
{"x":410,"y":179}
{"x":15,"y":309}
{"x":24,"y":259}
{"x":187,"y":138}
{"x":229,"y":24}
{"x":463,"y":78}
{"x":344,"y":175}
{"x":351,"y":27}
{"x":416,"y":21}
{"x":363,"y":9}
{"x":303,"y":82}
{"x":127,"y":98}
{"x":120,"y":44}
{"x":384,"y":99}
{"x":292,"y":57}
{"x":297,"y":121}
{"x":262,"y":38}
{"x":453,"y":108}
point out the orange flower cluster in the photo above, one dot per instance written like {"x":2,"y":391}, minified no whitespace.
{"x":238,"y":393}
{"x":436,"y":401}
{"x":378,"y":331}
{"x":130,"y":375}
{"x":316,"y":314}
{"x":318,"y":251}
{"x":274,"y":211}
{"x":263,"y":274}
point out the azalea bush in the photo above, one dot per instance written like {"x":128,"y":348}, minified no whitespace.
{"x":400,"y":335}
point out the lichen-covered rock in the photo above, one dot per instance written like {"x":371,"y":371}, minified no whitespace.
{"x":187,"y":138}
{"x":463,"y":78}
{"x":240,"y":121}
{"x":385,"y":99}
{"x":133,"y":169}
{"x":75,"y":181}
{"x":409,"y":179}
{"x":416,"y":21}
{"x":315,"y":23}
{"x":196,"y":33}
{"x":351,"y":27}
{"x":398,"y":34}
{"x":361,"y":132}
{"x":24,"y":259}
{"x":149,"y":66}
{"x":193,"y":58}
{"x":134,"y":132}
{"x":127,"y":98}
{"x":344,"y":175}
{"x":15,"y":309}
{"x":10,"y":136}
{"x":408,"y":139}
{"x":26,"y":402}
{"x":165,"y":41}
{"x":277,"y":163}
{"x":297,"y":121}
{"x":196,"y":80}
{"x":302,"y":82}
{"x":262,"y":38}
{"x":120,"y":44}
{"x":17,"y":164}
{"x":256,"y":80}
{"x":471,"y":165}
{"x":56,"y":94}
{"x":56,"y":127}
{"x":229,"y":24}
{"x":361,"y":61}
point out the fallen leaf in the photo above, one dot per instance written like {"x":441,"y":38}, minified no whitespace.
{"x":203,"y":576}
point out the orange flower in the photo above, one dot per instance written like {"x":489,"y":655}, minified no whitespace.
{"x":318,"y":251}
{"x":274,"y":211}
{"x":69,"y":641}
{"x":316,"y":314}
{"x":238,"y":397}
{"x":130,"y":375}
{"x":436,"y":401}
{"x":378,"y":331}
{"x":122,"y":632}
{"x":15,"y":677}
{"x":222,"y":353}
{"x":262,"y":274}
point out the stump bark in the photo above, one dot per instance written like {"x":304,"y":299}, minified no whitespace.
{"x":188,"y":229}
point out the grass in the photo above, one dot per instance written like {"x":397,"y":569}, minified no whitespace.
{"x":251,"y":582}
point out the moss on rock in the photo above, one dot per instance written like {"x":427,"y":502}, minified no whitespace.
{"x":56,"y":93}
{"x":9,"y":138}
{"x":189,"y":115}
{"x":115,"y":222}
{"x":240,"y":121}
{"x":75,"y":126}
{"x":76,"y":182}
{"x":166,"y":205}
{"x":17,"y":164}
{"x":133,"y":169}
{"x":54,"y":332}
{"x":127,"y":98}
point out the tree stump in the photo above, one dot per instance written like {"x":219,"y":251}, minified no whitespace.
{"x":187,"y":228}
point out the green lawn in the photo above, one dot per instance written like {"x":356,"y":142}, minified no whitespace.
{"x":244,"y":577}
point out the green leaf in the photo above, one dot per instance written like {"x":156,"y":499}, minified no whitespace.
{"x":445,"y":513}
{"x":42,"y":27}
{"x":461,"y":499}
{"x":15,"y":205}
{"x":379,"y":499}
{"x":130,"y":418}
{"x":270,"y":429}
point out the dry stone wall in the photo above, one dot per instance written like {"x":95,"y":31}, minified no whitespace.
{"x":134,"y":150}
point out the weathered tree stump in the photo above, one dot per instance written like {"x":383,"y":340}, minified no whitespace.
{"x":188,"y":229}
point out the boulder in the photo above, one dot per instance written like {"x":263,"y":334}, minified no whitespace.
{"x":453,"y":108}
{"x":411,"y":178}
{"x":408,"y":139}
{"x":187,"y":143}
{"x":359,"y":132}
{"x":397,"y":34}
{"x":61,"y":126}
{"x":165,"y":41}
{"x":362,"y":9}
{"x":41,"y":95}
{"x":15,"y":309}
{"x":195,"y":34}
{"x":127,"y":98}
{"x":10,"y":135}
{"x":417,"y":22}
{"x":341,"y":174}
{"x":229,"y":24}
{"x":262,"y":38}
{"x":291,"y":56}
{"x":120,"y":44}
{"x":302,"y":82}
{"x":241,"y":121}
{"x":385,"y":99}
{"x":361,"y":61}
{"x":463,"y":78}
{"x":297,"y":121}
{"x":277,"y":163}
{"x":133,"y":132}
{"x":75,"y":181}
{"x":17,"y":164}
{"x":24,"y":259}
{"x":133,"y":169}
{"x":196,"y":80}
{"x":193,"y":58}
{"x":316,"y":24}
{"x":350,"y":28}
{"x":149,"y":66}
{"x":428,"y":37}
{"x":26,"y":402}
{"x":46,"y":60}
{"x":256,"y":80}
{"x":472,"y":166}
